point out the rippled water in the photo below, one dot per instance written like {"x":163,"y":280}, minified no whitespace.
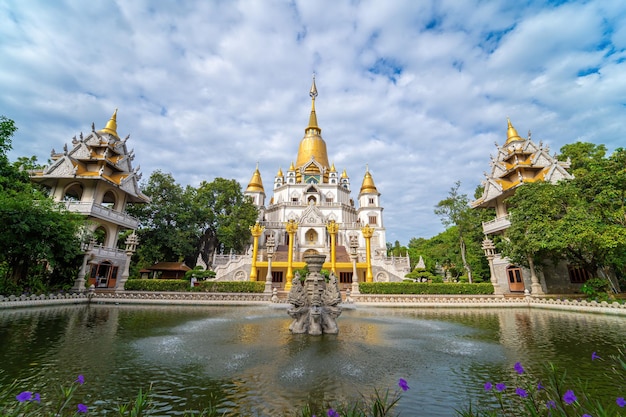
{"x":245,"y":360}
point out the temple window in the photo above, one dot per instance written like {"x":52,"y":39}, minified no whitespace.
{"x":371,"y":201}
{"x":577,"y":275}
{"x":73,"y":193}
{"x":372,"y":219}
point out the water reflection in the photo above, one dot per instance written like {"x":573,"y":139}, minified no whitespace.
{"x":244,"y":359}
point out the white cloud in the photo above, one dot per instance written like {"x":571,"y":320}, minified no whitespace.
{"x":418,"y":90}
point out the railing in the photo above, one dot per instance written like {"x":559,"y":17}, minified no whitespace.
{"x":497,"y":224}
{"x":104,"y":213}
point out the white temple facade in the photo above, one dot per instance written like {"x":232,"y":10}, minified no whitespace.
{"x":312,"y":210}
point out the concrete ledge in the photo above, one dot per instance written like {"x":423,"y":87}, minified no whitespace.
{"x":355,"y":301}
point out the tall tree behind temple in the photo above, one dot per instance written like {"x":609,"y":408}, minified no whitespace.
{"x":180,"y":223}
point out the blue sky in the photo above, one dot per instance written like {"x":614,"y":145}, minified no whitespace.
{"x":419,"y":91}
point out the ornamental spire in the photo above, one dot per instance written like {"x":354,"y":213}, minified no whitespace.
{"x":511,"y":133}
{"x":313,"y":117}
{"x":111,"y":127}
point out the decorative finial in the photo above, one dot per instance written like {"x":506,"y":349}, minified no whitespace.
{"x":313,"y":92}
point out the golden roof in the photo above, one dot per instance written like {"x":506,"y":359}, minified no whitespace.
{"x":511,"y":133}
{"x":312,"y":145}
{"x":111,"y":127}
{"x":256,"y":184}
{"x":368,"y":184}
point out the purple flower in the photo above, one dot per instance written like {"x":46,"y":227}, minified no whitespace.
{"x":551,"y":404}
{"x":621,"y":402}
{"x":82,"y":408}
{"x":332,"y":413}
{"x":586,"y":415}
{"x":518,"y":368}
{"x":24,"y":396}
{"x":488,"y":386}
{"x":569,"y":397}
{"x":539,"y":386}
{"x":402,"y":384}
{"x":521,"y":392}
{"x":80,"y":379}
{"x":37,"y":397}
{"x":500,"y":386}
{"x":594,"y":356}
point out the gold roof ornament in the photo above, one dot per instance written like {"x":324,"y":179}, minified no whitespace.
{"x":312,"y":145}
{"x":332,"y":168}
{"x":368,"y":184}
{"x":111,"y":127}
{"x":511,"y":133}
{"x":344,"y":174}
{"x":280,"y":172}
{"x":291,"y":167}
{"x":256,"y":184}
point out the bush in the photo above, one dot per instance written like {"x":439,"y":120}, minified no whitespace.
{"x":424,"y":288}
{"x":231,"y":286}
{"x":199,"y":274}
{"x":596,"y":289}
{"x":157,"y":285}
{"x":183,"y":285}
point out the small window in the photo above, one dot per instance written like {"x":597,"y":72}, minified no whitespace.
{"x":371,"y":200}
{"x":294,"y":199}
{"x":577,"y":275}
{"x":277,"y":276}
{"x":329,"y":199}
{"x":345,"y":277}
{"x":372,"y":219}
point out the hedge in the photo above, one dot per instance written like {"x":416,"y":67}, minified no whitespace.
{"x":424,"y":288}
{"x":184,"y":285}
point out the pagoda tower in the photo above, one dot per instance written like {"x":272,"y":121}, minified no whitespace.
{"x":517,"y":162}
{"x":96,"y":178}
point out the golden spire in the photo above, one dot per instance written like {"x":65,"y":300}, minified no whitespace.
{"x":511,"y":133}
{"x":280,"y":172}
{"x":344,"y":174}
{"x":256,"y":184}
{"x":368,"y":184}
{"x":291,"y":167}
{"x":312,"y":145}
{"x":111,"y":127}
{"x":332,"y":168}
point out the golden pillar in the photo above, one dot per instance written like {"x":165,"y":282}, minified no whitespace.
{"x":256,"y":231}
{"x":291,"y":227}
{"x":333,"y":228}
{"x":368,"y":232}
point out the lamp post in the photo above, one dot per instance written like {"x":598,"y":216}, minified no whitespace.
{"x":354,"y":245}
{"x":131,"y":246}
{"x":79,"y":284}
{"x":490,"y":253}
{"x":270,"y":244}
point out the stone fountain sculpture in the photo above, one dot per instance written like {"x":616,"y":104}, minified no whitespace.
{"x":314,"y":303}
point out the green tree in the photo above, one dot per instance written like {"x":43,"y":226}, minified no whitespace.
{"x":39,"y":240}
{"x":180,"y":223}
{"x":225,"y":216}
{"x":455,"y":211}
{"x":166,"y":229}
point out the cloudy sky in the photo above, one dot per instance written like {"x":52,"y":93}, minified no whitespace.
{"x":417,"y":90}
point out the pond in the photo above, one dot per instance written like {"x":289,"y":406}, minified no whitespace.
{"x":245,"y":360}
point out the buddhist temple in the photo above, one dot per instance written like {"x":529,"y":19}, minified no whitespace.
{"x":312,"y":210}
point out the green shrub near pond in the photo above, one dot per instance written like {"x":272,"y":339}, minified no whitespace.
{"x":203,"y":286}
{"x":483,"y":288}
